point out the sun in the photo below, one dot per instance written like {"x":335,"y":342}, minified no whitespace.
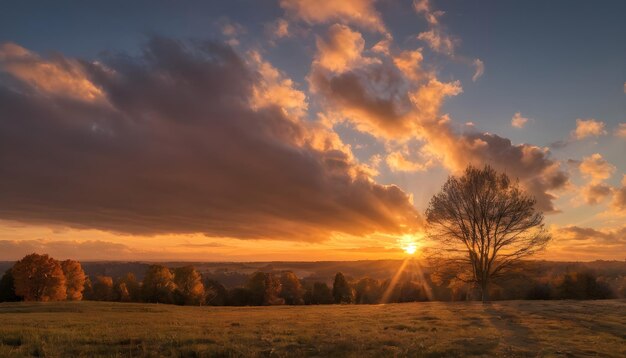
{"x":410,"y":249}
{"x":409,"y":243}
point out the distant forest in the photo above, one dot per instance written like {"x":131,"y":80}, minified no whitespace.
{"x":42,"y":278}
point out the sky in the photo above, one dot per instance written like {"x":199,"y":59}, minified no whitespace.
{"x":301,"y":129}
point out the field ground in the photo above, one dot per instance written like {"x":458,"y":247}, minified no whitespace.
{"x":430,"y":329}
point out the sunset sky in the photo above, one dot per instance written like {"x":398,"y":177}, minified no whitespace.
{"x":302,"y":129}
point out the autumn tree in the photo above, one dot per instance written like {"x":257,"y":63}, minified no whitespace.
{"x":264,"y":289}
{"x":240,"y":296}
{"x":367,"y":291}
{"x":484,"y":224}
{"x":320,"y":294}
{"x":74,"y":279}
{"x":342,"y":292}
{"x":215,"y":293}
{"x":127,"y":288}
{"x":39,"y":278}
{"x":189,"y":286}
{"x":158,"y":285}
{"x":291,"y":289}
{"x":102,"y":289}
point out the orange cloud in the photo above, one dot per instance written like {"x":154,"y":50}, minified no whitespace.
{"x":341,"y":49}
{"x":619,"y":198}
{"x":438,"y":41}
{"x":357,"y":12}
{"x":58,"y":77}
{"x":396,"y":100}
{"x":594,"y":194}
{"x":275,"y":89}
{"x":588,"y":128}
{"x":409,"y":62}
{"x":583,"y":243}
{"x":397,"y":161}
{"x":596,"y":168}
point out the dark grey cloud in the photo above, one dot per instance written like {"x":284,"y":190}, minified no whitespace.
{"x":173,"y":146}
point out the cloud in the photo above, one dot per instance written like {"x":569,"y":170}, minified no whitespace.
{"x":340,"y":50}
{"x":588,"y":128}
{"x":594,"y":194}
{"x":586,"y":243}
{"x":423,"y":7}
{"x":398,"y":162}
{"x":620,"y":131}
{"x":436,"y":37}
{"x":281,"y":28}
{"x":189,"y":141}
{"x":596,"y":168}
{"x":66,"y":249}
{"x":438,"y":41}
{"x":274,"y":89}
{"x":619,"y":198}
{"x":409,"y":63}
{"x":358,"y":12}
{"x":62,"y":77}
{"x":231,"y":30}
{"x":533,"y":166}
{"x":518,"y":121}
{"x":395,"y":99}
{"x":479,"y":69}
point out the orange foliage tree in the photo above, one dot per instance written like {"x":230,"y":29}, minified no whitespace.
{"x":39,"y":278}
{"x":74,"y":279}
{"x":189,"y":287}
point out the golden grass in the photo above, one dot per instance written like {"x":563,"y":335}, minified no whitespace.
{"x":430,"y":329}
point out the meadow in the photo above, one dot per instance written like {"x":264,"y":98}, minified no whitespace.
{"x":426,"y":329}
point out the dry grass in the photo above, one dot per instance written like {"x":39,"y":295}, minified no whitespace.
{"x":515,"y":328}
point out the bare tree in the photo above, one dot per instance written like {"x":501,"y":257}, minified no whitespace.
{"x":484,"y":224}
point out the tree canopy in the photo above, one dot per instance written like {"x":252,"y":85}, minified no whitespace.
{"x":484,"y":223}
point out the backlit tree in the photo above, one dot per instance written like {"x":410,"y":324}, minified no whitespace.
{"x":158,"y":285}
{"x":189,"y":287}
{"x":291,"y":290}
{"x":74,"y":279}
{"x":342,"y":292}
{"x":484,"y":224}
{"x":39,"y":278}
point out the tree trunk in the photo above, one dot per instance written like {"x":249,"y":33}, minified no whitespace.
{"x":484,"y":288}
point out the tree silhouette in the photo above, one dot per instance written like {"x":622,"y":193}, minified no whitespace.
{"x":342,"y":292}
{"x":291,"y":290}
{"x":264,"y":289}
{"x":484,"y":224}
{"x":7,"y":288}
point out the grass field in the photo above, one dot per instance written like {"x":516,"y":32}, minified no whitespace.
{"x":431,"y":329}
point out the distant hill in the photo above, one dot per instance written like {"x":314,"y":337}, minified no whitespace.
{"x":232,"y":274}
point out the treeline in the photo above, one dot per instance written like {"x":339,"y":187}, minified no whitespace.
{"x":42,"y":278}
